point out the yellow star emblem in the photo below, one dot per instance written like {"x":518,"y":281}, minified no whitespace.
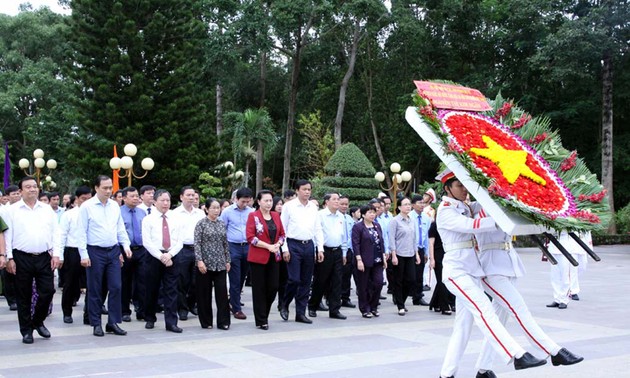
{"x":510,"y":162}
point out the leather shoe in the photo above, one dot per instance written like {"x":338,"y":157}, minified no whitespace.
{"x":420,"y":302}
{"x":348,"y":304}
{"x":553,"y":304}
{"x":98,"y":331}
{"x":194,"y":311}
{"x":322,"y":307}
{"x":312,"y":313}
{"x":174,"y":328}
{"x":28,"y":338}
{"x":104,"y":310}
{"x":487,"y":374}
{"x":67,"y":319}
{"x":43,"y":331}
{"x":13,"y":307}
{"x":337,"y":315}
{"x":427,"y":288}
{"x":527,"y":361}
{"x":575,"y":297}
{"x":183,"y":315}
{"x":126,"y":318}
{"x":115,"y":329}
{"x":284,"y":313}
{"x":299,"y":318}
{"x":564,"y":357}
{"x":239,"y":315}
{"x":149,"y":325}
{"x":562,"y":306}
{"x":86,"y":321}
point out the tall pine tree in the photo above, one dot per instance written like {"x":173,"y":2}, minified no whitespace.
{"x":138,"y":68}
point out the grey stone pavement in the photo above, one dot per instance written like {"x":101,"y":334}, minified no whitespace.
{"x":597,"y":327}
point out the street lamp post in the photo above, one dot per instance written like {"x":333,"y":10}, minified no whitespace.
{"x":39,"y":163}
{"x":399,"y":182}
{"x":126,"y":163}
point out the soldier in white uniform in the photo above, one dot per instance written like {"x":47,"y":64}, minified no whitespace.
{"x":502,"y":266}
{"x":461,"y":275}
{"x":564,"y":276}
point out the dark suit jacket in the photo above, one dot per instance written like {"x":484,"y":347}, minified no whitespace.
{"x":363,"y":245}
{"x":256,"y":229}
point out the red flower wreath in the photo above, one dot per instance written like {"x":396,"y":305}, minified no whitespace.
{"x":518,"y":172}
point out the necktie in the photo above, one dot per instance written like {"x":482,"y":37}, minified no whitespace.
{"x":148,"y":210}
{"x":136,"y":237}
{"x":166,"y":235}
{"x":420,"y":231}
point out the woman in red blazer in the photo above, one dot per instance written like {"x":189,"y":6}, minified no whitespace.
{"x":265,"y":235}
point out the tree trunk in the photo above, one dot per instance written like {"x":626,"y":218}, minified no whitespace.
{"x":259,"y":166}
{"x":377,"y":143}
{"x":219,"y":109}
{"x":263,"y":79}
{"x":344,"y":83}
{"x":607,"y":133}
{"x":295,"y":74}
{"x":246,"y":175}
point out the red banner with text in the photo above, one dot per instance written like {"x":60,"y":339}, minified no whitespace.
{"x":448,"y":96}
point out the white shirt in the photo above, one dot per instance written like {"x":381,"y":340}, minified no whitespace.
{"x":333,"y":229}
{"x":31,"y":230}
{"x":69,"y":232}
{"x":455,"y":224}
{"x":152,"y":233}
{"x":101,"y":225}
{"x":189,"y":221}
{"x":146,"y":208}
{"x":301,"y":222}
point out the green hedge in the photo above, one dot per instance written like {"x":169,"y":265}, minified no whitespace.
{"x":349,"y":160}
{"x":349,"y":182}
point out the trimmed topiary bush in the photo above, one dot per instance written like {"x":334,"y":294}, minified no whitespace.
{"x":348,"y":172}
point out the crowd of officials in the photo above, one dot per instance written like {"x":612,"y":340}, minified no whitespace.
{"x":133,"y":252}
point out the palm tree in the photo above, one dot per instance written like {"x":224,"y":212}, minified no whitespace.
{"x":253,"y":127}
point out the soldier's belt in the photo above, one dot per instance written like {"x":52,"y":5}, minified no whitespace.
{"x":501,"y":246}
{"x":461,"y":245}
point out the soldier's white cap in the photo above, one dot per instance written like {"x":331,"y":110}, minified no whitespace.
{"x":446,"y":175}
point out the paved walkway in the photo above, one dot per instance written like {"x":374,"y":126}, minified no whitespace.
{"x":597,"y":327}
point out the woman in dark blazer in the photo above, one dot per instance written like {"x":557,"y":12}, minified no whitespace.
{"x":368,"y":248}
{"x":265,"y":236}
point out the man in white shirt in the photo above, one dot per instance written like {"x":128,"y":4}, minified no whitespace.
{"x":335,"y":243}
{"x":188,"y":215}
{"x":33,"y":253}
{"x":146,"y":195}
{"x":303,"y":232}
{"x":69,"y":244}
{"x":161,"y":235}
{"x":102,"y":234}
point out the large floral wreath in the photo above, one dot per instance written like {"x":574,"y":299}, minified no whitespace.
{"x":522,"y":163}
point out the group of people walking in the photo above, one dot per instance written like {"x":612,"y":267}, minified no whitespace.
{"x":148,"y":256}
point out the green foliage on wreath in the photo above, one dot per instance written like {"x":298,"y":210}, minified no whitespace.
{"x":589,"y":194}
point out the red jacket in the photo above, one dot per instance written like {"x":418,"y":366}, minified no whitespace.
{"x":257,"y":230}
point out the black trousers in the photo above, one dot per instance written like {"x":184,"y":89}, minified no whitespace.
{"x":328,"y":277}
{"x":8,"y":286}
{"x":404,"y":279}
{"x":369,"y":284}
{"x":203,"y":286}
{"x":158,"y":274}
{"x":346,"y":277}
{"x":442,"y":298}
{"x":419,"y":291}
{"x":72,"y":279}
{"x":283,"y":277}
{"x":133,"y":280}
{"x":264,"y":288}
{"x":186,"y":298}
{"x":31,"y":267}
